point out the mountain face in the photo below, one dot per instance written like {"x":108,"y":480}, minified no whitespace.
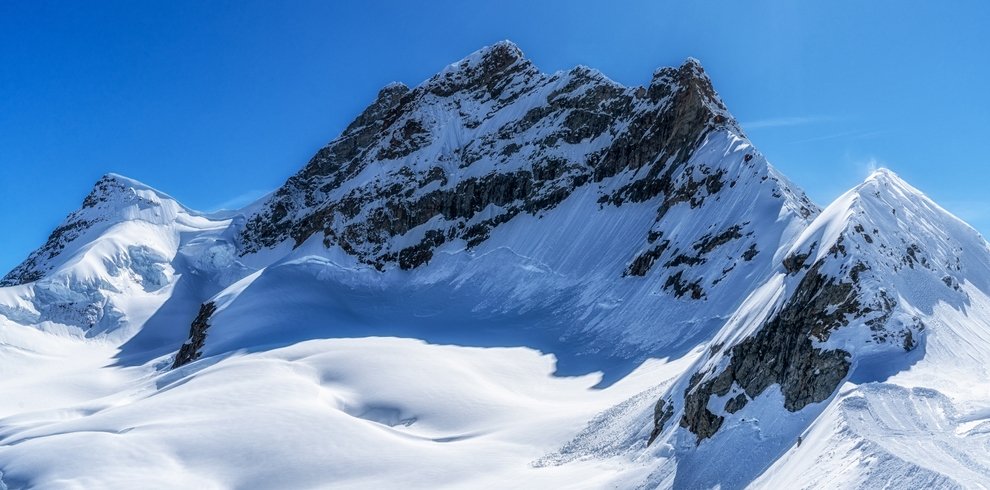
{"x":858,"y":298}
{"x":704,"y":317}
{"x":490,"y":138}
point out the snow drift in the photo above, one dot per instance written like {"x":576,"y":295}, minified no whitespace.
{"x":503,"y":276}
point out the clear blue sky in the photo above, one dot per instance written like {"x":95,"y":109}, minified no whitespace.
{"x":217,"y":102}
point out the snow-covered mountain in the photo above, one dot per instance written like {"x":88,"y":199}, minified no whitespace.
{"x":884,"y":295}
{"x":503,"y":276}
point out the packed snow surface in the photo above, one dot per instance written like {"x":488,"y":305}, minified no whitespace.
{"x":449,"y":396}
{"x":533,"y":358}
{"x":351,"y":413}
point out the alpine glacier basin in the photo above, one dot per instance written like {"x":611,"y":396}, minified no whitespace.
{"x":506,"y":277}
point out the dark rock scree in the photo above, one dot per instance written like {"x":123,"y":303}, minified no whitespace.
{"x":782,"y":353}
{"x":190,"y":350}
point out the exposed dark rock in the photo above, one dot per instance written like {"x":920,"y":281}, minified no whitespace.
{"x":410,"y":138}
{"x":702,"y":247}
{"x":29,"y":270}
{"x":913,"y":256}
{"x":682,"y":286}
{"x":909,"y":342}
{"x":708,"y":243}
{"x":862,"y":231}
{"x":421,"y":253}
{"x":362,"y":221}
{"x":436,"y":174}
{"x":795,"y":262}
{"x":191,"y":349}
{"x":684,"y":259}
{"x":838,"y":248}
{"x":644,"y":261}
{"x":782,"y":353}
{"x":750,"y":253}
{"x":698,"y":419}
{"x":662,"y":412}
{"x":736,"y":403}
{"x":497,"y":65}
{"x":715,"y":349}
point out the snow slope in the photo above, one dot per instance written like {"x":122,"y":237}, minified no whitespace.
{"x":898,"y":393}
{"x":362,"y":416}
{"x":925,"y":422}
{"x":505,"y":277}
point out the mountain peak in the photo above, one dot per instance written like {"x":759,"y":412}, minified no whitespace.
{"x":481,"y":68}
{"x":113,"y":199}
{"x":689,"y":82}
{"x":688,"y":70}
{"x":392,"y":88}
{"x":693,"y":65}
{"x":885,"y":175}
{"x":504,"y":48}
{"x":502,"y":53}
{"x":885,"y":180}
{"x":113,"y":186}
{"x":883,"y":192}
{"x":888,"y":224}
{"x":564,"y":217}
{"x":127,"y":182}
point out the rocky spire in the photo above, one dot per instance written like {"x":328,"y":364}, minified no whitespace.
{"x":492,"y":131}
{"x":484,"y":68}
{"x":388,"y":97}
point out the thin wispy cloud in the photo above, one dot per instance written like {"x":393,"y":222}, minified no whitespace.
{"x":863,"y":166}
{"x":840,"y":135}
{"x":785,"y":122}
{"x":871,"y":165}
{"x":241,"y":200}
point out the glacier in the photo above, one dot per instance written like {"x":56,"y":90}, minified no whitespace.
{"x":503,"y":277}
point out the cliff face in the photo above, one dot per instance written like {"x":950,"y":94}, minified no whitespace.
{"x":494,"y":205}
{"x":853,"y":300}
{"x":624,"y":193}
{"x":487,"y":139}
{"x":650,"y":196}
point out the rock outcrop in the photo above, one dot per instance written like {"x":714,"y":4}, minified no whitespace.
{"x":781,"y":353}
{"x":191,"y":349}
{"x":845,"y":276}
{"x":437,"y":156}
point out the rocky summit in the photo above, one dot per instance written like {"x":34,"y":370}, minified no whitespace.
{"x":505,"y":276}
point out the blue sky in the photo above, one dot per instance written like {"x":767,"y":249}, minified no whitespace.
{"x":217,"y":102}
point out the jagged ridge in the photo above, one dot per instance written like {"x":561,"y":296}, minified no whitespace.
{"x":440,"y":154}
{"x":859,"y":287}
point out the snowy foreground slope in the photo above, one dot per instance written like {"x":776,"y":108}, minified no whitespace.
{"x":506,"y":278}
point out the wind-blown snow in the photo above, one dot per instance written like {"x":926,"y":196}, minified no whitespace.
{"x":908,"y":416}
{"x":531,"y":359}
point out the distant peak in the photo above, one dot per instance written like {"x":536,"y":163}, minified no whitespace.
{"x":504,"y":49}
{"x":392,"y":88}
{"x":688,"y":70}
{"x":884,"y":179}
{"x":482,"y":67}
{"x":497,"y":56}
{"x":692,"y":63}
{"x":112,"y":184}
{"x":885,"y":175}
{"x":388,"y":97}
{"x":109,"y":185}
{"x":123,"y":181}
{"x":690,"y":81}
